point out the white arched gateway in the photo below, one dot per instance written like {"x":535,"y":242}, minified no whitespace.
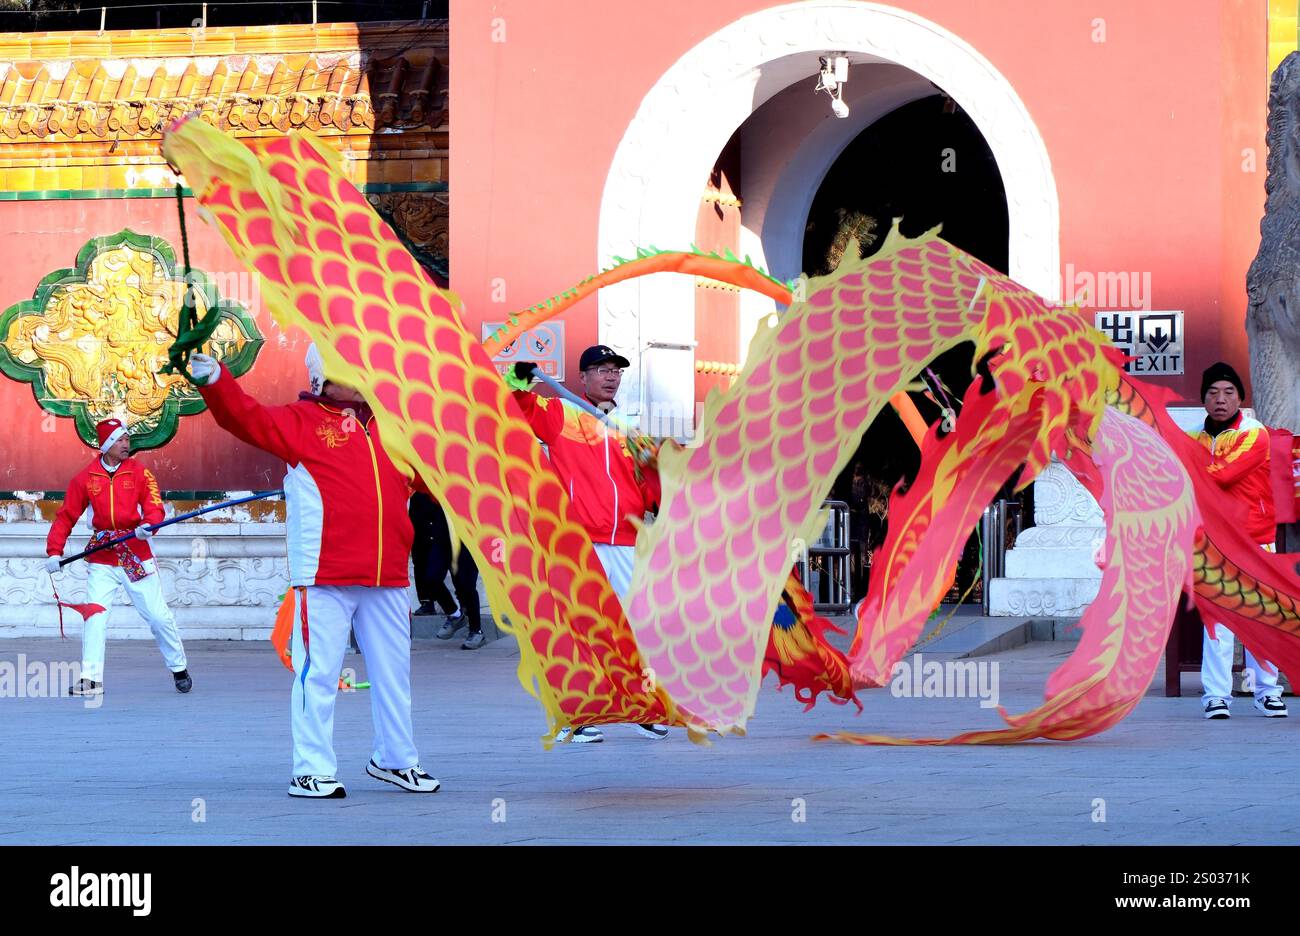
{"x":652,"y":193}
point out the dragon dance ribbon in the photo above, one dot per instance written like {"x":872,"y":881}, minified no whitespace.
{"x":799,"y":654}
{"x":1255,"y":594}
{"x":329,"y":265}
{"x":739,"y":504}
{"x":1284,"y":465}
{"x":1150,"y":529}
{"x":690,"y":648}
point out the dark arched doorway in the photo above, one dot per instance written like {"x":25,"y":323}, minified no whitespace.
{"x":928,"y":164}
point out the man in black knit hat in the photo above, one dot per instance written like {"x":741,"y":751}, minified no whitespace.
{"x":1238,"y":449}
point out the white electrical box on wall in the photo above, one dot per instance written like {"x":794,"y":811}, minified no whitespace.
{"x":668,"y":401}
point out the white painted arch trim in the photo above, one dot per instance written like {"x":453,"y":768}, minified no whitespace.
{"x":652,"y":192}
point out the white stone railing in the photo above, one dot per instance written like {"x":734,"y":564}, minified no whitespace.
{"x":222,"y":580}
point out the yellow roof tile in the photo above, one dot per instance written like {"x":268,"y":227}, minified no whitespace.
{"x":144,"y":82}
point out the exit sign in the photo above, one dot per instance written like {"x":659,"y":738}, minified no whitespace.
{"x":1153,"y":339}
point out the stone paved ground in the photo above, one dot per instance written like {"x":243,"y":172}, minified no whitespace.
{"x":131,"y":771}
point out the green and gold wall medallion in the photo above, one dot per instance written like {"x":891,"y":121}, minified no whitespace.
{"x":91,"y":339}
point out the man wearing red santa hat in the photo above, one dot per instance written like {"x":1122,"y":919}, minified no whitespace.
{"x":123,"y":496}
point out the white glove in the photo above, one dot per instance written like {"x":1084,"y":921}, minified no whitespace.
{"x":52,"y":563}
{"x":142,"y":532}
{"x":205,"y":368}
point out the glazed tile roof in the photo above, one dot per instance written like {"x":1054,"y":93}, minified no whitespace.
{"x":264,"y":89}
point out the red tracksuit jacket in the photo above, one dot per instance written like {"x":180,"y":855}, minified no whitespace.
{"x":1239,"y":465}
{"x":595,"y":466}
{"x":345,"y":501}
{"x":119,"y":501}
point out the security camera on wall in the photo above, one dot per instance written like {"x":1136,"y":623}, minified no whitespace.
{"x":828,"y":80}
{"x":832,"y":77}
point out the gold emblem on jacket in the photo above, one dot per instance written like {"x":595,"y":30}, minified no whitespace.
{"x":332,"y":433}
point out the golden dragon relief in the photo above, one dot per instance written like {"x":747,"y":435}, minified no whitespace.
{"x":92,"y":340}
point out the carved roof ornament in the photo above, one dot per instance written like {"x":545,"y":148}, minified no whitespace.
{"x":91,"y":339}
{"x":336,"y":79}
{"x":422,"y":221}
{"x":98,"y":99}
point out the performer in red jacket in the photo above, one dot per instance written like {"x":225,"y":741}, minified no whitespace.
{"x":606,"y":484}
{"x":123,"y":496}
{"x":1238,"y":453}
{"x":349,"y":540}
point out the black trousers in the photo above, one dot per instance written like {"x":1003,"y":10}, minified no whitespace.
{"x":431,"y":556}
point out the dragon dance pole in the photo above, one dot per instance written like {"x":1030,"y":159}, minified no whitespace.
{"x":642,"y":446}
{"x":576,"y":400}
{"x":902,"y":403}
{"x":188,"y":516}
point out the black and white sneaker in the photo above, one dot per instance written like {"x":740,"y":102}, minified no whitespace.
{"x":87,"y":687}
{"x":411,"y":779}
{"x":317,"y":788}
{"x":425,"y":609}
{"x":183,"y":681}
{"x":581,"y":736}
{"x":653,"y":732}
{"x":1217,"y":708}
{"x":1271,"y":706}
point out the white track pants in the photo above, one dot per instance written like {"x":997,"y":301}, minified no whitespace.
{"x":146,"y":595}
{"x":618,"y":562}
{"x":1216,"y":668}
{"x":380,"y":617}
{"x":1216,"y":665}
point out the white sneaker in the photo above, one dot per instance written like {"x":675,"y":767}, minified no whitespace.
{"x":581,"y":736}
{"x":653,"y":732}
{"x":1271,"y":706}
{"x":317,"y":788}
{"x":411,"y":779}
{"x":1216,"y":708}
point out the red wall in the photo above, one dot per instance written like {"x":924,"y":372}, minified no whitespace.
{"x":42,"y":236}
{"x":1144,"y":131}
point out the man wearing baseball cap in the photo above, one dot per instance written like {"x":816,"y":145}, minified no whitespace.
{"x":1238,"y":448}
{"x":123,"y":496}
{"x":607,"y":485}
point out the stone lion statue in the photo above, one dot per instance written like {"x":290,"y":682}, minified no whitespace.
{"x":1273,"y":281}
